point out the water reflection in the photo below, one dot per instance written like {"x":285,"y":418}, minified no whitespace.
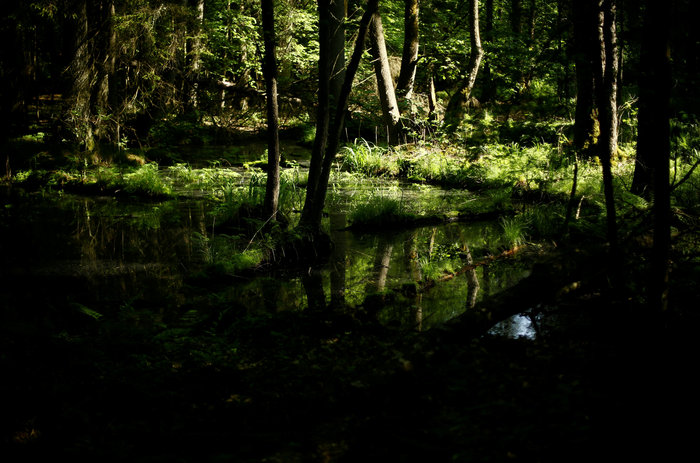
{"x":107,"y":254}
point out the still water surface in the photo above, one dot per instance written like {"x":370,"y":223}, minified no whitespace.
{"x":104,"y":254}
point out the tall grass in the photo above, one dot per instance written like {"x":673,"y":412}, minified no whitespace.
{"x":379,"y":210}
{"x":514,"y":230}
{"x":147,"y":180}
{"x":366,"y":158}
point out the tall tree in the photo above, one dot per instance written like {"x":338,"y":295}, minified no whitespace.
{"x":489,"y":87}
{"x":459,"y":101}
{"x":82,"y":72}
{"x":385,"y":84}
{"x":272,"y":186}
{"x":653,"y":140}
{"x":328,"y":134}
{"x":103,"y":97}
{"x":311,"y":213}
{"x":585,"y":41}
{"x":516,"y":17}
{"x":606,"y":70}
{"x":194,"y":53}
{"x":337,"y":48}
{"x":409,"y":56}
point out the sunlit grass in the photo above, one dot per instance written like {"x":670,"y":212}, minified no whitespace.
{"x":379,"y":210}
{"x":514,"y":230}
{"x":146,"y":180}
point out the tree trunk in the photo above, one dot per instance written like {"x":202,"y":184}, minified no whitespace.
{"x":457,"y":106}
{"x":195,"y":55}
{"x":653,"y":140}
{"x":104,"y":54}
{"x":532,"y":20}
{"x":516,"y":17}
{"x":311,"y":213}
{"x":385,"y":85}
{"x":606,"y":91}
{"x":409,"y":58}
{"x":432,"y":101}
{"x":584,"y":42}
{"x":489,"y":88}
{"x":328,"y":138}
{"x":647,"y":147}
{"x":272,"y":186}
{"x":337,"y":49}
{"x":83,"y":73}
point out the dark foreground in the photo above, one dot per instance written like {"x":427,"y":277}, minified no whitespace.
{"x":605,"y":385}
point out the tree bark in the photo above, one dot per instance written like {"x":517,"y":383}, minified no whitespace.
{"x":195,"y":55}
{"x":311,"y":213}
{"x":102,"y":97}
{"x":409,"y":57}
{"x":516,"y":17}
{"x":606,"y":95}
{"x":653,"y":141}
{"x":647,"y":144}
{"x":606,"y":92}
{"x":385,"y":84}
{"x":432,"y":101}
{"x":337,"y":49}
{"x":489,"y":88}
{"x":83,"y":73}
{"x":457,"y":106}
{"x":272,"y":185}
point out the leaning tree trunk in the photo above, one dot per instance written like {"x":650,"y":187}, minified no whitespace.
{"x":409,"y":57}
{"x":272,"y":186}
{"x":606,"y":92}
{"x":311,"y":213}
{"x":457,"y":106}
{"x":385,"y":84}
{"x":328,"y":138}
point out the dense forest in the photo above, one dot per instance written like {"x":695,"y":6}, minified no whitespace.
{"x":291,"y":231}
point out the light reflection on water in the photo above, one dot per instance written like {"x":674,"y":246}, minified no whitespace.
{"x":515,"y":327}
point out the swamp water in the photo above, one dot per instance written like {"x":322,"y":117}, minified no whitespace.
{"x":92,"y":256}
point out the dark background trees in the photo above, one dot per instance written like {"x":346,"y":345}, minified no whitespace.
{"x":148,"y":61}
